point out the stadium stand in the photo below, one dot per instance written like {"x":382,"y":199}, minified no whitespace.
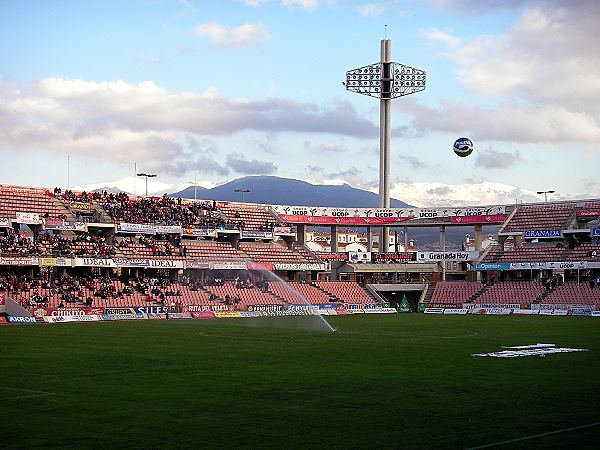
{"x":573,"y":293}
{"x":455,"y":292}
{"x":210,"y":250}
{"x":346,"y":292}
{"x":306,"y":253}
{"x":539,"y":217}
{"x":253,"y":217}
{"x":285,"y":293}
{"x":516,"y":292}
{"x":147,"y":247}
{"x":243,"y":296}
{"x":15,"y":199}
{"x":32,"y":274}
{"x":160,"y":210}
{"x":271,"y":253}
{"x":312,"y":294}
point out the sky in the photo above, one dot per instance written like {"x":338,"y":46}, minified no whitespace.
{"x":210,"y":91}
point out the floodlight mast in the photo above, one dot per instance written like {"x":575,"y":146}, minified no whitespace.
{"x":385,"y":80}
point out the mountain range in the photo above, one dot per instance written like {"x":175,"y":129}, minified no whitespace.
{"x":286,"y":191}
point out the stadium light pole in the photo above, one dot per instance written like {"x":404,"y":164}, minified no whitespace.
{"x":147,"y":175}
{"x":243,"y":191}
{"x":385,"y":80}
{"x":546,"y":194}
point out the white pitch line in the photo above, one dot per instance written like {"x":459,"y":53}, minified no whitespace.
{"x":25,"y":390}
{"x":28,"y":396}
{"x":534,"y":436}
{"x":32,"y":395}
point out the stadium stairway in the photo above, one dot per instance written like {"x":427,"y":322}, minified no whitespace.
{"x":61,"y":209}
{"x":429,"y":293}
{"x":333,"y":297}
{"x":306,"y":252}
{"x":479,"y":293}
{"x":542,"y":297}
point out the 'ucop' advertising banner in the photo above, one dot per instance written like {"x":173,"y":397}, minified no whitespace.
{"x":496,"y":218}
{"x":380,"y":216}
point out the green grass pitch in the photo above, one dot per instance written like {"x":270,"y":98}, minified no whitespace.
{"x":401,"y":381}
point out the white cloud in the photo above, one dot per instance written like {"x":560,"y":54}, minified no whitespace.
{"x":549,"y":55}
{"x":371,"y":9}
{"x":423,"y":194}
{"x":309,"y":5}
{"x":543,"y":75}
{"x":254,"y":3}
{"x":433,"y":34}
{"x":247,"y":35}
{"x":306,"y":4}
{"x":127,"y":122}
{"x":508,"y":122}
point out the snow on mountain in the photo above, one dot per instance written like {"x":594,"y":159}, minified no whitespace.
{"x":137,"y":186}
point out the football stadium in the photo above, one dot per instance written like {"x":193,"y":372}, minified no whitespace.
{"x":269,"y":312}
{"x":155,"y":321}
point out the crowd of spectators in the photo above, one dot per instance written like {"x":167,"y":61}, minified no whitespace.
{"x":551,"y":283}
{"x":159,"y":210}
{"x":70,"y":196}
{"x":167,"y":247}
{"x":16,"y":244}
{"x":80,"y":245}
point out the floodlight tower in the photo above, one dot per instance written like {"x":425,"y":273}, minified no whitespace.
{"x":385,"y":80}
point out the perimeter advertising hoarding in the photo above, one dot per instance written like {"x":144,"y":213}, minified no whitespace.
{"x":401,"y":256}
{"x":299,"y":266}
{"x":21,"y":320}
{"x":359,"y":257}
{"x":60,"y":224}
{"x":4,"y":223}
{"x":282,"y":230}
{"x":16,"y":261}
{"x":542,"y":234}
{"x":28,"y":218}
{"x":56,"y":262}
{"x":94,"y":262}
{"x":446,"y":256}
{"x":496,"y":218}
{"x":69,"y":311}
{"x":254,"y":234}
{"x":142,"y":228}
{"x":588,"y":213}
{"x":326,"y":220}
{"x":147,"y":262}
{"x":381,"y":216}
{"x":200,"y":232}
